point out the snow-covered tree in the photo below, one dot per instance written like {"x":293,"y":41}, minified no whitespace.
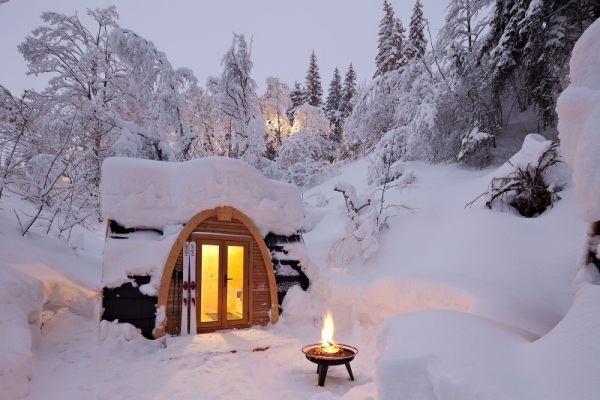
{"x":238,"y":112}
{"x":305,"y":156}
{"x":529,"y":43}
{"x":348,"y":93}
{"x":274,"y":105}
{"x":54,"y":178}
{"x":18,"y":125}
{"x":297,"y":98}
{"x":303,"y":159}
{"x":313,"y":92}
{"x":83,"y":77}
{"x":372,"y":116}
{"x":390,"y":47}
{"x":311,"y":119}
{"x":153,"y":97}
{"x":464,"y":100}
{"x":120,"y":95}
{"x":417,"y":43}
{"x":333,"y":106}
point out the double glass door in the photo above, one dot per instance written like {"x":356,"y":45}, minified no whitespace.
{"x":222,"y":269}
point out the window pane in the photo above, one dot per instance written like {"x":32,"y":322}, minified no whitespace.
{"x":235,"y":283}
{"x":209,"y":289}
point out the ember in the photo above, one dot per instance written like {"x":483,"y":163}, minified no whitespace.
{"x":326,"y":351}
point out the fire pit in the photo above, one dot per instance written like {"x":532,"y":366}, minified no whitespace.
{"x":328,"y":353}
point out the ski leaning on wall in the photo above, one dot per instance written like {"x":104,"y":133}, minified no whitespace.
{"x":185,"y":295}
{"x":188,"y":296}
{"x":192,"y":266}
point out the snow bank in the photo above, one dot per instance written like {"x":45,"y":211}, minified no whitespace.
{"x":578,"y":111}
{"x":563,"y":364}
{"x":26,"y":290}
{"x":143,"y":193}
{"x":38,"y":275}
{"x":20,"y":303}
{"x":446,"y":355}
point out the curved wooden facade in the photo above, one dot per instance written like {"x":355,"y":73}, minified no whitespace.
{"x":222,"y":223}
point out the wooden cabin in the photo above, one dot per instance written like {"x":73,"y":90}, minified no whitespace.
{"x":240,"y":221}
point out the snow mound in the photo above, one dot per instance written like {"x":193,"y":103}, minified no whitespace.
{"x":563,"y":363}
{"x":578,"y":109}
{"x":144,"y":193}
{"x":533,"y":148}
{"x":448,"y":355}
{"x":117,"y":337}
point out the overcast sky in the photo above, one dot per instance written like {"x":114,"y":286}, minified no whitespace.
{"x":196,"y":34}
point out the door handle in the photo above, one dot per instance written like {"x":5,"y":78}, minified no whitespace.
{"x":226,"y":279}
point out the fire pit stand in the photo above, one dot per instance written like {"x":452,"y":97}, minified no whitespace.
{"x":324,"y":360}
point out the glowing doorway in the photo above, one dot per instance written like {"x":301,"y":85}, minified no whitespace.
{"x":222,"y":267}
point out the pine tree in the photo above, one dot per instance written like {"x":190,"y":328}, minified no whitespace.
{"x":297,"y":98}
{"x":417,"y":44}
{"x":348,"y":93}
{"x":530,"y":42}
{"x":390,"y":43}
{"x":313,"y":92}
{"x":397,"y":58}
{"x":332,"y":105}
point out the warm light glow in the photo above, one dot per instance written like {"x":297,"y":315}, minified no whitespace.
{"x":327,"y":342}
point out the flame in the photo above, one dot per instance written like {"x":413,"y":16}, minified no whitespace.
{"x":327,"y":342}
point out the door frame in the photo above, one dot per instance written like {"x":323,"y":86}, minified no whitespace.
{"x":196,"y":223}
{"x":224,"y":240}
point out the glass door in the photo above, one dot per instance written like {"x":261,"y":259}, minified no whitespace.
{"x":235,"y":282}
{"x":223,"y":284}
{"x":209,"y":286}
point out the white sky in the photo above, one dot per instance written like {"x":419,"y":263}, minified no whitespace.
{"x":197,"y":34}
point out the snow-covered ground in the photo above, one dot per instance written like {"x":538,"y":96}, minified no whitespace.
{"x":452,"y":306}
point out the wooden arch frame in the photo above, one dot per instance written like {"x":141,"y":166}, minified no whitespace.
{"x":222,"y":214}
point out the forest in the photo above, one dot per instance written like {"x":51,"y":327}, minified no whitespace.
{"x":111,"y":92}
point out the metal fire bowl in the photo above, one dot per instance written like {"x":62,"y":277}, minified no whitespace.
{"x":329,"y":359}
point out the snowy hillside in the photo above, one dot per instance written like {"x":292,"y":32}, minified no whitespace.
{"x":450,"y":307}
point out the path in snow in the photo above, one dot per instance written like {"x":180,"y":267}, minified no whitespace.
{"x":71,"y":362}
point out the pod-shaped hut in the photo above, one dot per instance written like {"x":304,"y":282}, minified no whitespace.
{"x":235,"y":218}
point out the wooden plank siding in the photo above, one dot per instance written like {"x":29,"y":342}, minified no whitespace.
{"x":173,"y":310}
{"x":260,"y":297}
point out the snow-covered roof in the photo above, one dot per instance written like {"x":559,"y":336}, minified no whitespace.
{"x":154,"y":194}
{"x":166,"y":195}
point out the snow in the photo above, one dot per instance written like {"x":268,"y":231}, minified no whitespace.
{"x":453,"y":303}
{"x":139,"y":255}
{"x":578,"y":111}
{"x":37,"y":277}
{"x":143,"y":193}
{"x":458,"y":303}
{"x":165,"y":196}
